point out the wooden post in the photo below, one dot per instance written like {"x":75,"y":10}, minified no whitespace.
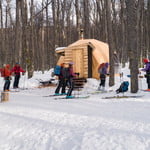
{"x":4,"y":96}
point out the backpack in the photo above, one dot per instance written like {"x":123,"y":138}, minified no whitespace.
{"x":101,"y":68}
{"x":66,"y":73}
{"x":57,"y":70}
{"x":123,"y":87}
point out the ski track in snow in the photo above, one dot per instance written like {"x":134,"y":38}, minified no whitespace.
{"x":28,"y":124}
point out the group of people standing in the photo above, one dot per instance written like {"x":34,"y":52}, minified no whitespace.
{"x":65,"y":79}
{"x":7,"y":72}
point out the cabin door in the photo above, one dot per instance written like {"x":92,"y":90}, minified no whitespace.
{"x":78,"y":61}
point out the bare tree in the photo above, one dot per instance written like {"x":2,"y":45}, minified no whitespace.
{"x":30,"y":45}
{"x":1,"y":35}
{"x":78,"y":17}
{"x":18,"y":32}
{"x":148,"y":27}
{"x":110,"y":42}
{"x":123,"y":36}
{"x":86,"y":19}
{"x":132,"y":43}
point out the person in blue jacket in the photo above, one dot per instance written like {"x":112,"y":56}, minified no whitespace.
{"x":62,"y":83}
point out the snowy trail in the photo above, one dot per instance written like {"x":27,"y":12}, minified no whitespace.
{"x":61,"y":131}
{"x":31,"y":122}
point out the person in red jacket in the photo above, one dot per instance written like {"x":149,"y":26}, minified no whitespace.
{"x":17,"y":70}
{"x":7,"y":77}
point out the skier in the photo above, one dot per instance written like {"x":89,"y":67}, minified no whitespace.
{"x":123,"y":87}
{"x":61,"y":83}
{"x":103,"y":71}
{"x":147,"y":70}
{"x":70,"y":81}
{"x":17,"y":70}
{"x":7,"y":77}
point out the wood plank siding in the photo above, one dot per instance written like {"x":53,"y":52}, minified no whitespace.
{"x":79,"y":56}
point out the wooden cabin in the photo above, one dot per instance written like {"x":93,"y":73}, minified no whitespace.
{"x":86,"y":54}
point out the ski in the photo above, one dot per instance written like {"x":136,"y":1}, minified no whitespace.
{"x":14,"y":91}
{"x":145,"y":91}
{"x":97,"y":92}
{"x":52,"y":95}
{"x":79,"y":97}
{"x":132,"y":96}
{"x":23,"y":88}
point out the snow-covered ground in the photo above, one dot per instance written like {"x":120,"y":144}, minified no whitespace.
{"x":29,"y":121}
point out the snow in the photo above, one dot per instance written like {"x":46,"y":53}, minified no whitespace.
{"x":59,"y":48}
{"x":29,"y":121}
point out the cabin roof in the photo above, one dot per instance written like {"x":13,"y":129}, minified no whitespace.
{"x":84,"y":42}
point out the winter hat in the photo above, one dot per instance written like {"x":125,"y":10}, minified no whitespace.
{"x":145,"y":60}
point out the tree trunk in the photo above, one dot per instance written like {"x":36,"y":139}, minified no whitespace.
{"x":18,"y":32}
{"x":123,"y":35}
{"x":47,"y":40}
{"x":86,"y":22}
{"x":78,"y":19}
{"x":2,"y":41}
{"x":31,"y":49}
{"x":110,"y":42}
{"x":54,"y":41}
{"x":132,"y":43}
{"x":148,"y":27}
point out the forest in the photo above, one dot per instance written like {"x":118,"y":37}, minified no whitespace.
{"x":31,"y":30}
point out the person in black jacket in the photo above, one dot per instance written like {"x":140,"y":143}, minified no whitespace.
{"x":70,"y":80}
{"x":61,"y":83}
